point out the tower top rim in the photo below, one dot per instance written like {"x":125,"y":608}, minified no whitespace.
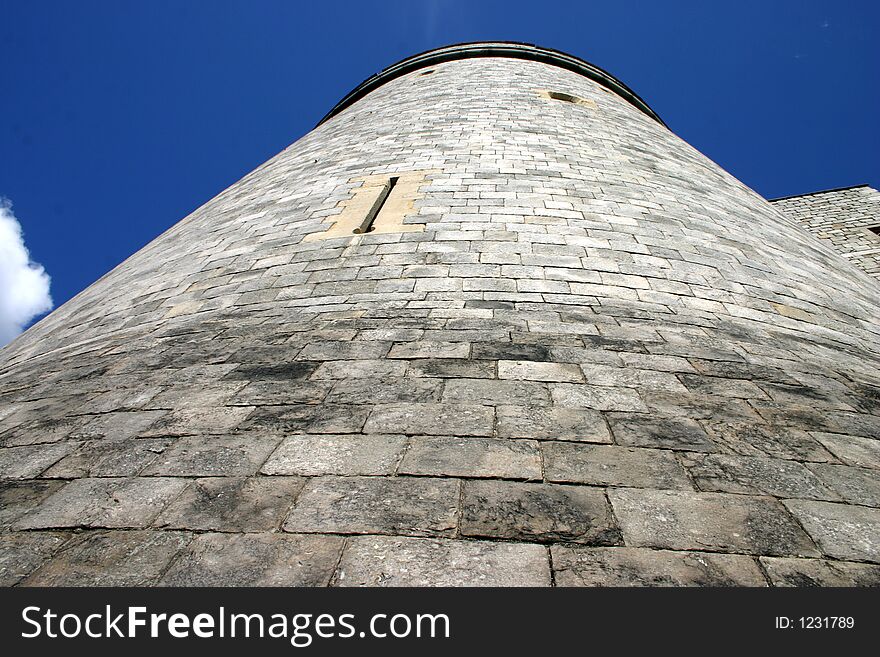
{"x":512,"y":49}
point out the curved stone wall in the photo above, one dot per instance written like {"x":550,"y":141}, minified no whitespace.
{"x":590,"y":356}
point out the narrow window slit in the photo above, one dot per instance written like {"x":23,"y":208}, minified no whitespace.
{"x":367,"y":224}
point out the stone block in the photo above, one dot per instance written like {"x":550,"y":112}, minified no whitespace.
{"x":537,"y":513}
{"x":20,"y":497}
{"x":649,"y":430}
{"x":23,"y":552}
{"x":854,"y":485}
{"x":232,"y":504}
{"x":323,"y":454}
{"x":525,"y":370}
{"x":110,"y":458}
{"x":214,"y":456}
{"x":30,"y":461}
{"x":451,"y":368}
{"x":376,"y":505}
{"x":256,"y":560}
{"x":842,"y":531}
{"x":192,"y":421}
{"x":432,"y":419}
{"x":723,"y":473}
{"x":357,"y":369}
{"x":131,"y":502}
{"x":111,"y":558}
{"x":622,"y":566}
{"x":754,"y":439}
{"x":819,"y":572}
{"x":494,"y":392}
{"x":308,"y":418}
{"x":386,"y":391}
{"x":454,"y":456}
{"x":337,"y":350}
{"x":600,"y":398}
{"x":401,"y":561}
{"x":430,"y":349}
{"x":276,"y":392}
{"x":678,"y":520}
{"x":611,"y":465}
{"x":852,"y":450}
{"x":552,"y":423}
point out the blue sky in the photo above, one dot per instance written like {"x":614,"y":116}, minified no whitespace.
{"x":120,"y":118}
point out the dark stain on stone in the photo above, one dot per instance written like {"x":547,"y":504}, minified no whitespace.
{"x":509,"y":351}
{"x":289,"y":371}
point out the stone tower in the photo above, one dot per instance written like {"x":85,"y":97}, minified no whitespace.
{"x":490,"y":322}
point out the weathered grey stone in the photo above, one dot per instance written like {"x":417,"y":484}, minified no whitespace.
{"x":603,"y":375}
{"x":214,"y":456}
{"x":428,"y":419}
{"x":40,"y":432}
{"x":276,"y":392}
{"x":494,"y":392}
{"x":752,"y":439}
{"x":188,"y":421}
{"x":451,"y":368}
{"x":601,"y":398}
{"x":23,"y":552}
{"x":430,"y":349}
{"x":537,"y":512}
{"x":648,"y":430}
{"x":610,"y":465}
{"x":453,"y":456}
{"x":111,"y":502}
{"x":401,"y":561}
{"x":28,"y":462}
{"x":232,"y":504}
{"x":621,"y":566}
{"x":111,"y":558}
{"x":357,"y":369}
{"x":819,"y":572}
{"x":700,"y":407}
{"x":527,"y":370}
{"x":721,"y":387}
{"x":19,"y":497}
{"x":376,"y":505}
{"x":269,"y":367}
{"x":852,"y":450}
{"x":308,"y":418}
{"x":331,"y":350}
{"x":509,"y":351}
{"x":197,"y":395}
{"x":115,"y":426}
{"x":677,"y":520}
{"x":121,"y":399}
{"x":842,"y":531}
{"x":256,"y":560}
{"x":756,"y":476}
{"x":552,"y":423}
{"x":854,"y":485}
{"x":387,"y":391}
{"x":110,"y":458}
{"x":315,"y":455}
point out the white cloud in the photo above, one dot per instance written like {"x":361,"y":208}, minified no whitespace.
{"x":24,"y":285}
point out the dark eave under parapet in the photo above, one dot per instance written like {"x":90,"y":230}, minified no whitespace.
{"x":492,"y":49}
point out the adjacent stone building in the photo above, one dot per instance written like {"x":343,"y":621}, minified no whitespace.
{"x":489,"y":323}
{"x":848,"y":219}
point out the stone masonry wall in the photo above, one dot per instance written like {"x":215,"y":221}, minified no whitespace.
{"x":602,"y":361}
{"x":842,"y":218}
